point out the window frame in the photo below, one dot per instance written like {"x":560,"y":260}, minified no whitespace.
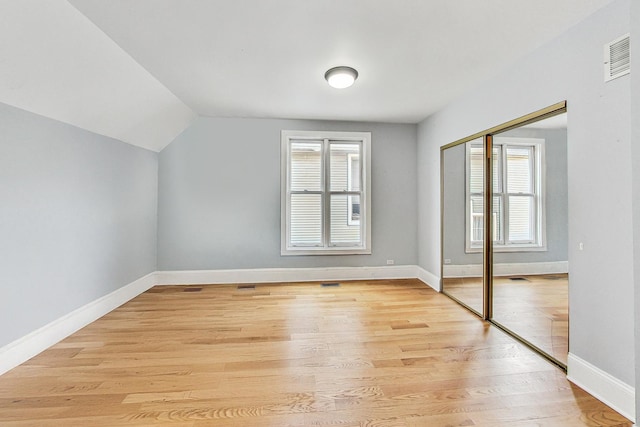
{"x":364,"y":139}
{"x":504,"y":245}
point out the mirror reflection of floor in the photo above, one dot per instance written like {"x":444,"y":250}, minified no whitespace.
{"x":465,"y":289}
{"x":532,"y":306}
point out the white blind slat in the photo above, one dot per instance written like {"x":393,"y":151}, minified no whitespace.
{"x":306,"y":166}
{"x":520,"y":218}
{"x":476,"y":177}
{"x":341,"y":230}
{"x":519,"y":170}
{"x":340,"y":156}
{"x":306,"y":220}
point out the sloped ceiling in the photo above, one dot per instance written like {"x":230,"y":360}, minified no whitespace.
{"x":55,"y":62}
{"x":141,"y":70}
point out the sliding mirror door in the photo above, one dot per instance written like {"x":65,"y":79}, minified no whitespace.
{"x":510,"y":267}
{"x":462,"y":223}
{"x":530,"y":253}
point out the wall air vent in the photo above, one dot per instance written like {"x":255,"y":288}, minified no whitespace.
{"x":616,"y":58}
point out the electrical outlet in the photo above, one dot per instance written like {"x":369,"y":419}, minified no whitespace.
{"x":390,"y":262}
{"x":447,"y":261}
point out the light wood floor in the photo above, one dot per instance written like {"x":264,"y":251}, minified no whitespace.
{"x":536,"y":308}
{"x":384,"y":353}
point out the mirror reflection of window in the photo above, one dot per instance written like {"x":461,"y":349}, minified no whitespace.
{"x":517,"y":213}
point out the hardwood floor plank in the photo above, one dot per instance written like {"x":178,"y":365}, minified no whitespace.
{"x":366,"y":353}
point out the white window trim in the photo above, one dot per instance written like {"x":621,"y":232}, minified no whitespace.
{"x":539,"y":170}
{"x":365,"y":200}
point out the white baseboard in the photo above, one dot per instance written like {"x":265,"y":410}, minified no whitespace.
{"x":23,"y":349}
{"x":429,"y":278}
{"x":610,"y":390}
{"x":507,"y":269}
{"x":275,"y":275}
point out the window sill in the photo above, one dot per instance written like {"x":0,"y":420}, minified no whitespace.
{"x":325,"y":251}
{"x":509,"y":248}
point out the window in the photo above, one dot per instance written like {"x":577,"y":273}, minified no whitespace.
{"x":325,"y":194}
{"x":517,"y":215}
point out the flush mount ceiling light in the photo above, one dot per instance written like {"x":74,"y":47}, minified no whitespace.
{"x":341,"y":77}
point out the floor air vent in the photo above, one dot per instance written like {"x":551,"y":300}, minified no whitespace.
{"x":329,"y":285}
{"x":192,"y":289}
{"x":246,"y":286}
{"x":617,"y":58}
{"x":519,"y":279}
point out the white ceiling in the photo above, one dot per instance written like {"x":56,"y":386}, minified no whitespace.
{"x":141,"y":70}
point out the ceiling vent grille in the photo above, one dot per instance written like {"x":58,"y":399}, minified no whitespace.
{"x":616,"y":58}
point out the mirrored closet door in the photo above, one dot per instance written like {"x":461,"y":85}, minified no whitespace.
{"x":516,"y":274}
{"x":462,"y":270}
{"x":530,"y":251}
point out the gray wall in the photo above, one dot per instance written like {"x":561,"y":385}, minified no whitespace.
{"x":219,"y":199}
{"x":77,"y":219}
{"x":635,"y":138}
{"x":555,"y":202}
{"x":599,"y":163}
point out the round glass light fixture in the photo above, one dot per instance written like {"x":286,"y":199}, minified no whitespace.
{"x":341,"y":77}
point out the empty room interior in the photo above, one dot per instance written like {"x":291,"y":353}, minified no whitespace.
{"x":273,"y":213}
